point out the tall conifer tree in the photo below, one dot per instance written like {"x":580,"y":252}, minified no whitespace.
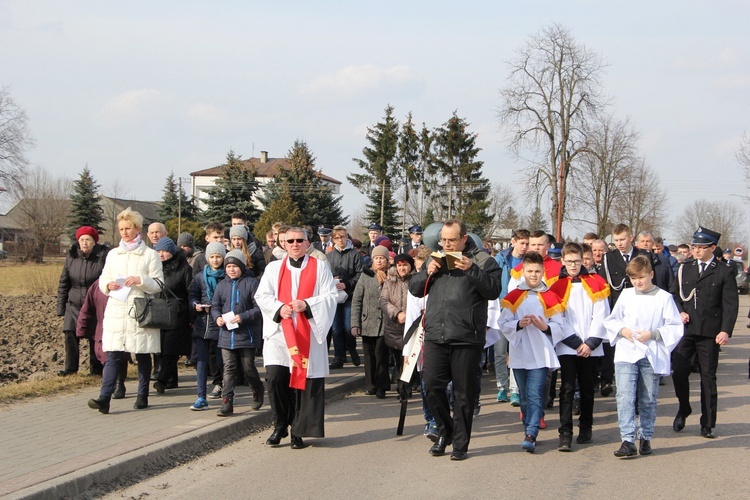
{"x":234,"y":191}
{"x":84,"y":207}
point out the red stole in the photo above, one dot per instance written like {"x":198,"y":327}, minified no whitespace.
{"x":595,"y":286}
{"x":298,"y":338}
{"x":551,"y":270}
{"x":551,"y":302}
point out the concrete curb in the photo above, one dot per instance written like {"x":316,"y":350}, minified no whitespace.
{"x":153,"y":459}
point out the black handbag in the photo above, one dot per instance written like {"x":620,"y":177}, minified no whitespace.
{"x":157,"y":311}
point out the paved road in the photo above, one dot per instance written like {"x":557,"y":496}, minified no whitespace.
{"x":361,"y":454}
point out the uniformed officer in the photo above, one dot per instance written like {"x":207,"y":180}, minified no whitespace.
{"x":373,"y":231}
{"x":706,"y":295}
{"x":415,"y":236}
{"x":325,"y":244}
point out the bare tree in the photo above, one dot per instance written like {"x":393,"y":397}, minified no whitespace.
{"x":502,"y":201}
{"x":15,"y":138}
{"x":116,"y":190}
{"x":642,"y":203}
{"x":43,"y":205}
{"x":600,"y":172}
{"x":743,"y":157}
{"x":554,"y":87}
{"x":725,"y":217}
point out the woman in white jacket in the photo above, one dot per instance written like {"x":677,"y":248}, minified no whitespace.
{"x":131,"y":271}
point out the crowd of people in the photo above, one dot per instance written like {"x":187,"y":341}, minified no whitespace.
{"x":600,"y":317}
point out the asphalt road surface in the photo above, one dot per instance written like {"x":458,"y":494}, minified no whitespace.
{"x":362,"y":456}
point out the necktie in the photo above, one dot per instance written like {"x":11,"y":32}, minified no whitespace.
{"x":626,"y":257}
{"x":703,"y":267}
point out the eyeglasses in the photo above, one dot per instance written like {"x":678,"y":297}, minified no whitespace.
{"x":451,"y":240}
{"x":340,"y":237}
{"x":702,"y":247}
{"x":573,"y":262}
{"x":296,"y":240}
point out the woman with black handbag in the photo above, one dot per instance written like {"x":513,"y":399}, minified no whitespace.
{"x":132,"y":270}
{"x":175,"y":341}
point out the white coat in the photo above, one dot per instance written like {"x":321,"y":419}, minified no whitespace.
{"x":120,"y":329}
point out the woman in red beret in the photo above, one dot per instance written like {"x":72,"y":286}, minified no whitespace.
{"x":83,"y":266}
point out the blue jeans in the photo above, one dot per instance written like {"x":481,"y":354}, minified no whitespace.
{"x":203,"y":362}
{"x":532,"y":390}
{"x":630,"y":376}
{"x":501,"y":363}
{"x":342,"y":331}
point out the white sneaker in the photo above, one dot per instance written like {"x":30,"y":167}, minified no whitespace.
{"x":216,"y":393}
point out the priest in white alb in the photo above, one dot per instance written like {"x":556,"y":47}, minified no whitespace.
{"x":297,"y":297}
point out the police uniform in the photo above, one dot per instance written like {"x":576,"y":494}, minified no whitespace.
{"x":323,"y":231}
{"x":710,"y":300}
{"x":409,"y":245}
{"x":370,"y":244}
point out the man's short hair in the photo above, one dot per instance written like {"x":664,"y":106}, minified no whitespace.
{"x":297,"y":229}
{"x":638,"y":266}
{"x":590,"y":236}
{"x":621,"y":228}
{"x":532,"y":257}
{"x":585,"y":247}
{"x":239,"y":215}
{"x":645,"y":234}
{"x":460,"y":223}
{"x":572,"y":248}
{"x":214,"y":227}
{"x":538,"y":234}
{"x":599,"y":241}
{"x":659,"y":240}
{"x":683,"y":246}
{"x":521,"y":234}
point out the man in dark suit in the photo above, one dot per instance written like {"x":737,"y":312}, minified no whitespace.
{"x":613,"y":267}
{"x":663,"y":276}
{"x":373,"y":231}
{"x":706,"y":295}
{"x":415,"y":239}
{"x":326,"y":243}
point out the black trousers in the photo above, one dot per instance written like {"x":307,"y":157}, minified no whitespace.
{"x":72,"y":355}
{"x":574,"y":367}
{"x":607,"y":363}
{"x":444,"y":363}
{"x":235,"y":360}
{"x":303,"y":410}
{"x":376,"y":356}
{"x":707,"y":352}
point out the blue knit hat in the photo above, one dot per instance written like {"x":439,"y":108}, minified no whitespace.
{"x":167,"y":245}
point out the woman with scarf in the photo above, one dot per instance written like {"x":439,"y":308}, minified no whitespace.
{"x":206,"y":331}
{"x":132,"y":270}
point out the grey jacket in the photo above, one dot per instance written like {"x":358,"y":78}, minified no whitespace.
{"x":366,"y":313}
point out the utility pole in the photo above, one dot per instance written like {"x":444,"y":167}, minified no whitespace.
{"x":179,"y":204}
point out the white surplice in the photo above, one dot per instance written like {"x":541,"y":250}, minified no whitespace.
{"x":529,"y":347}
{"x":585,"y":318}
{"x":322,"y":305}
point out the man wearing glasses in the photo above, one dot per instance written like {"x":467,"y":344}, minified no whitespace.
{"x":297,"y":298}
{"x":706,"y":295}
{"x":455,"y":324}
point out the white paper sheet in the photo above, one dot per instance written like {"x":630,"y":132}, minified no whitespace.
{"x":121,"y":293}
{"x":228,"y":320}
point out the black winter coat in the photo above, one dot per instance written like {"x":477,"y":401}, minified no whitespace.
{"x":346,"y":265}
{"x":457,"y":305}
{"x":78,"y":274}
{"x":177,"y":277}
{"x":238,"y":296}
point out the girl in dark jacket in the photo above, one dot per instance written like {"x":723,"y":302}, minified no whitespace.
{"x":175,"y":342}
{"x":205,"y":330}
{"x":83,"y":266}
{"x":240,"y":334}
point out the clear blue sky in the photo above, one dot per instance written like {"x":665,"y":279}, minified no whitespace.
{"x":137,"y":89}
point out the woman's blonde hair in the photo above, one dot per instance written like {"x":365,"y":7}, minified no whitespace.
{"x":131,"y":216}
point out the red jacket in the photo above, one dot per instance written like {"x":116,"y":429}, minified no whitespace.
{"x":90,"y":318}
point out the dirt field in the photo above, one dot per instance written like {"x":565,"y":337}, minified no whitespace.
{"x":31,"y":339}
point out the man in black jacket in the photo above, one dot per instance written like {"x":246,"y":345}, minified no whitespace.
{"x":455,"y":325}
{"x":706,"y":295}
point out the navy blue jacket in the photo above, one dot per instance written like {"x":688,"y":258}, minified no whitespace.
{"x":204,"y":327}
{"x":238,"y":296}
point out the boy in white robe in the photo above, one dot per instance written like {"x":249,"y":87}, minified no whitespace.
{"x":644,"y":327}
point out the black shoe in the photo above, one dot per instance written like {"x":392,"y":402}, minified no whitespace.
{"x":258,"y":394}
{"x":227,"y":408}
{"x":584,"y":436}
{"x":380,"y":394}
{"x":644,"y":447}
{"x":119,"y":389}
{"x":141,"y":402}
{"x":277,"y":436}
{"x":171,"y":385}
{"x":458,"y":455}
{"x":297,"y":443}
{"x":707,"y":432}
{"x":627,"y":449}
{"x":679,"y":422}
{"x":336,"y":364}
{"x":606,"y":390}
{"x":101,"y":403}
{"x":566,"y":441}
{"x":438,"y":449}
{"x":370,"y":392}
{"x":65,"y":373}
{"x":160,"y":388}
{"x":551,"y":403}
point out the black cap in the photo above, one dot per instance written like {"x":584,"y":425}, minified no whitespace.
{"x":416,"y":228}
{"x":703,"y":236}
{"x":324,"y":231}
{"x":375,"y":227}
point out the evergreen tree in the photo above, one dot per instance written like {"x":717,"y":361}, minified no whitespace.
{"x":466,"y":189}
{"x":537,"y":220}
{"x":175,"y":202}
{"x":303,"y":183}
{"x":408,"y":165}
{"x":379,"y":169}
{"x":233,"y":191}
{"x":84,"y":207}
{"x":283,"y":208}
